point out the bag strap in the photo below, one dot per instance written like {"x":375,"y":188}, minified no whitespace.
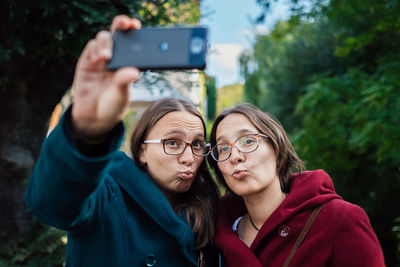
{"x":302,"y":235}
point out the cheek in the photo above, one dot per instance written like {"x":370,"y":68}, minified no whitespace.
{"x":156,"y":161}
{"x":223,"y":167}
{"x":267,"y":162}
{"x":161,"y":169}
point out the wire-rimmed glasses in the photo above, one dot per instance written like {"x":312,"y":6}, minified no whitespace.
{"x":245,"y":144}
{"x":177,"y":147}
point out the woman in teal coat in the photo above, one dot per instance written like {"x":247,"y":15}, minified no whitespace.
{"x":155,"y":210}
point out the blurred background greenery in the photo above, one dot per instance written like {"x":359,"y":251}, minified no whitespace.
{"x":330,"y":74}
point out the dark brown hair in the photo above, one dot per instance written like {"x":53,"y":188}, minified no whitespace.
{"x":200,"y":201}
{"x":286,"y":157}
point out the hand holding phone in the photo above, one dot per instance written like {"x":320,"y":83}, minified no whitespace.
{"x":100,"y":96}
{"x":160,"y":48}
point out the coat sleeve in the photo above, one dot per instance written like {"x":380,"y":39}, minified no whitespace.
{"x":356,"y":243}
{"x":65,"y":184}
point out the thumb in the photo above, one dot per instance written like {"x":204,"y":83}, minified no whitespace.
{"x":124,"y":76}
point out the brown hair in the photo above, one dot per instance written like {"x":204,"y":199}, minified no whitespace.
{"x":286,"y":157}
{"x":200,"y":201}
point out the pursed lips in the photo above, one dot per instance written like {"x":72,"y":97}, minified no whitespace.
{"x":238,"y":174}
{"x":186,"y":175}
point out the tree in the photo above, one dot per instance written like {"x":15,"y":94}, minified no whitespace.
{"x":39,"y":45}
{"x":229,"y":96}
{"x":211,"y":97}
{"x":331,"y":75}
{"x":281,"y":63}
{"x":350,"y":128}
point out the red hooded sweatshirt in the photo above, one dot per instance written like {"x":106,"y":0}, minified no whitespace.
{"x":341,"y":235}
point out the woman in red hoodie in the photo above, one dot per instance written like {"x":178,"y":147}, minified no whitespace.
{"x":271,"y":217}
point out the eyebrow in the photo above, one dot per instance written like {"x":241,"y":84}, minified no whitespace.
{"x":181,"y":132}
{"x":242,"y":131}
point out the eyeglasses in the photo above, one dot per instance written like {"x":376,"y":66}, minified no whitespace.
{"x":177,"y":147}
{"x":245,"y":144}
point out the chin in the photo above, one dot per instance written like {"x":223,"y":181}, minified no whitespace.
{"x":183,"y":188}
{"x":183,"y":191}
{"x":242,"y":192}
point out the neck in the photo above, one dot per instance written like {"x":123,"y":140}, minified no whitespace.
{"x":261,"y":205}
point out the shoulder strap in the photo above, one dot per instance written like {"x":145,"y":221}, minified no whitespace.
{"x":302,"y":234}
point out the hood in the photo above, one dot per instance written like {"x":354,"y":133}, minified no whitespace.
{"x":308,"y":190}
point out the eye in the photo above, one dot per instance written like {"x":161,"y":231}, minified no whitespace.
{"x":247,"y":141}
{"x":173,"y":143}
{"x":197,"y":144}
{"x":223,"y":148}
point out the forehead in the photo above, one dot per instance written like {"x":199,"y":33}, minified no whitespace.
{"x":179,"y":123}
{"x":233,"y":126}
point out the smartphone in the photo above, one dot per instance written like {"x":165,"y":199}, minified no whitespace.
{"x":160,"y":48}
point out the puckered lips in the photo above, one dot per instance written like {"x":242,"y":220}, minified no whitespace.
{"x":239,"y":174}
{"x":186,"y":175}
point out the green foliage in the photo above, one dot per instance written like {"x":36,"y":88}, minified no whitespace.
{"x":31,"y":249}
{"x":209,"y":125}
{"x":170,"y":12}
{"x":365,"y":28}
{"x":354,"y":112}
{"x":350,"y":127}
{"x":229,"y":96}
{"x":61,"y":28}
{"x":130,"y":120}
{"x":211,"y":98}
{"x":281,"y":63}
{"x":331,"y":74}
{"x":252,"y":90}
{"x":40,"y":42}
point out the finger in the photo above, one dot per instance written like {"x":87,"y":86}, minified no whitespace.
{"x":87,"y":54}
{"x":86,"y":51}
{"x":124,"y":76}
{"x":123,"y":22}
{"x":98,"y":51}
{"x":104,"y":45}
{"x":94,"y":54}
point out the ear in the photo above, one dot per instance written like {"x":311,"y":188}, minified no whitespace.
{"x":142,"y":156}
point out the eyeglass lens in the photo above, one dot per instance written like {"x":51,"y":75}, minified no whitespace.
{"x":176,"y":147}
{"x":245,"y":144}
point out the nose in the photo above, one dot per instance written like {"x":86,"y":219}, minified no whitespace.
{"x":236,"y":155}
{"x":187,"y":156}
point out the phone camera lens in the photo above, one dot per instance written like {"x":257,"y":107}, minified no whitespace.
{"x":164,"y":46}
{"x":196,"y":45}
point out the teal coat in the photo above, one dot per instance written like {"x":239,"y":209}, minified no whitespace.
{"x":112,"y":211}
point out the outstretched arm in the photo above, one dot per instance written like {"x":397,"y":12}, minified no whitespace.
{"x":65,"y":186}
{"x":101,"y":96}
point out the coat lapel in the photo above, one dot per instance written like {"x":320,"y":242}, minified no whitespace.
{"x":236,"y":252}
{"x":148,"y":196}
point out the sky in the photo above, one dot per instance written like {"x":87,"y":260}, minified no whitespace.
{"x":230,"y":31}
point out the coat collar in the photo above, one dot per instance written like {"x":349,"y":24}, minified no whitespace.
{"x":309,"y":190}
{"x":148,"y":196}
